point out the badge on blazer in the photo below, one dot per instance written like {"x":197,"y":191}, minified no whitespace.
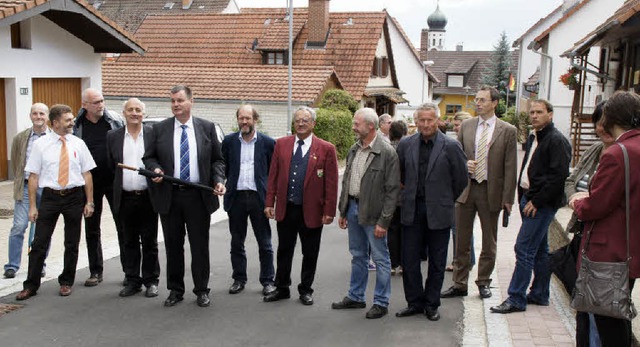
{"x":320,"y":172}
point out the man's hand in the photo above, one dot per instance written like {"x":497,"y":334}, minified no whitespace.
{"x":342,"y":222}
{"x":33,"y":213}
{"x":529,"y":210}
{"x":575,"y":197}
{"x":219,"y":189}
{"x":327,"y":220}
{"x":508,"y":207}
{"x":270,"y":212}
{"x":471,"y":167}
{"x":157,"y":179}
{"x":379,"y":231}
{"x":88,"y":210}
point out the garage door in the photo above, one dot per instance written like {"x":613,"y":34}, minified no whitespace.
{"x":51,"y":91}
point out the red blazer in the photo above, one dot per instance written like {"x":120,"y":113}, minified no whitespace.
{"x":605,"y":206}
{"x":320,"y":193}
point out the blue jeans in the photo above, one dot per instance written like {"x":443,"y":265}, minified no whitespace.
{"x":532,"y":254}
{"x":361,"y":239}
{"x":20,"y":224}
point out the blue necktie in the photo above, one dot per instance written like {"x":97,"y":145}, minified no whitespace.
{"x":298,"y":153}
{"x":184,"y":155}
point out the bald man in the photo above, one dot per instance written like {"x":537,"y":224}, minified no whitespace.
{"x":91,"y":125}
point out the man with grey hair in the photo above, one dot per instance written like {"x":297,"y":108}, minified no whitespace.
{"x":91,"y":125}
{"x":370,"y":189}
{"x":132,"y":201}
{"x":303,"y":187}
{"x":20,"y":150}
{"x":384,"y":124}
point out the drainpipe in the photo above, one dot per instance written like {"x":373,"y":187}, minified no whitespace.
{"x":544,"y":55}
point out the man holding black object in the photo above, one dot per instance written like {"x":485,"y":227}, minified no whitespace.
{"x":541,"y":192}
{"x":131,"y":200}
{"x":186,"y":147}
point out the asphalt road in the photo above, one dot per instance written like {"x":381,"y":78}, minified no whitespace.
{"x":99,"y":317}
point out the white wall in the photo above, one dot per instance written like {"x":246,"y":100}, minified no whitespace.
{"x":563,"y":37}
{"x":381,"y":51}
{"x":54,"y":53}
{"x":273,"y":115}
{"x":409,"y":72}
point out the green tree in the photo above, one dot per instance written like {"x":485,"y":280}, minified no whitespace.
{"x":337,"y":99}
{"x":496,"y":73}
{"x":334,"y":118}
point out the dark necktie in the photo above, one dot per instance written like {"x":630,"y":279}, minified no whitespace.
{"x":184,"y":154}
{"x":298,"y":154}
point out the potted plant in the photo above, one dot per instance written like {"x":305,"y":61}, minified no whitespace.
{"x":570,"y":78}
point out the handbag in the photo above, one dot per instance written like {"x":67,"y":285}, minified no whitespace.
{"x":563,"y":262}
{"x":602,"y":288}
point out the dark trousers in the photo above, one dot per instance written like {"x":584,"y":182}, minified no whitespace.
{"x":418,"y":239}
{"x":394,"y":239}
{"x":247,"y":205}
{"x":187,"y":209}
{"x":139,"y":228}
{"x":52,"y":206}
{"x":92,"y":228}
{"x":288,"y":230}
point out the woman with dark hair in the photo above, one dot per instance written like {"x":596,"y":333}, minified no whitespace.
{"x":603,"y":207}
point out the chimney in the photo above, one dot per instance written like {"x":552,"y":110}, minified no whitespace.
{"x":186,"y":4}
{"x":318,"y":22}
{"x":459,"y":47}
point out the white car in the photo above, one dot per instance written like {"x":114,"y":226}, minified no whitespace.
{"x":155,"y":119}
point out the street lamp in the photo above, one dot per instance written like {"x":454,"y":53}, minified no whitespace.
{"x":425,"y":64}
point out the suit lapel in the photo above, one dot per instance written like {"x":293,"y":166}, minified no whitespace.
{"x":438,"y":144}
{"x":474,"y":130}
{"x":415,"y":154}
{"x":197,"y":130}
{"x":119,"y":145}
{"x":257,"y":152}
{"x":497,"y":132}
{"x":311,"y":163}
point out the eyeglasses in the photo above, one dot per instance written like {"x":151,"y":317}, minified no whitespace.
{"x":302,"y":121}
{"x":481,"y":100}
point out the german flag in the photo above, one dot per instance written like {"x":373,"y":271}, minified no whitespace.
{"x":512,"y":83}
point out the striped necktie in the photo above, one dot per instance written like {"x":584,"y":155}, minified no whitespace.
{"x":481,"y":156}
{"x":63,"y":169}
{"x":184,"y":155}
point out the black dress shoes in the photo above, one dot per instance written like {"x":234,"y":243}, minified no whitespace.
{"x":203,"y":300}
{"x":236,"y":287}
{"x":173,"y":299}
{"x":306,"y":299}
{"x":408,"y":311}
{"x":129,"y":291}
{"x":532,"y":301}
{"x":268,"y":289}
{"x":347,"y":303}
{"x":376,"y":312}
{"x":506,"y":307}
{"x":276,"y":295}
{"x":453,"y":292}
{"x":432,"y":314}
{"x":152,"y":291}
{"x":485,"y":291}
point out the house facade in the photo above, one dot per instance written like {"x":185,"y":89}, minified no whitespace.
{"x":51,"y":50}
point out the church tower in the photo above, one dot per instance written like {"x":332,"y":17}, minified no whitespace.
{"x":433,"y":38}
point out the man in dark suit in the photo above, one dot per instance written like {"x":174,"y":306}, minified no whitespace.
{"x":303,"y":186}
{"x":247,"y":154}
{"x":433,"y":170}
{"x":491,"y":149}
{"x":186,"y":147}
{"x":131,"y":200}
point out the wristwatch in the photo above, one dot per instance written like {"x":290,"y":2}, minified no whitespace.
{"x":91,"y":204}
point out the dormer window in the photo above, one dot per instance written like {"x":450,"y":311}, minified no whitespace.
{"x":380,"y":67}
{"x":274,"y":58}
{"x":455,"y":81}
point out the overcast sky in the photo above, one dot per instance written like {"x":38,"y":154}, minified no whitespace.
{"x":475,"y":23}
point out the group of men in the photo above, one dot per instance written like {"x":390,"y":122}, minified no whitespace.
{"x":294,"y":180}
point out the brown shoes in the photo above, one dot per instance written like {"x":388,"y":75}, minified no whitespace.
{"x":25,"y":294}
{"x":93,"y":280}
{"x":65,"y":290}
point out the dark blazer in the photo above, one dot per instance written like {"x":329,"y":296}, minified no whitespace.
{"x":320,"y":193}
{"x":263,"y":150}
{"x":604,"y":209}
{"x":159,"y":154}
{"x":115,"y":145}
{"x":446,"y":178}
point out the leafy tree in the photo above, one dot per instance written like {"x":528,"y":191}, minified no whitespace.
{"x":496,"y":74}
{"x":334,"y":119}
{"x":337,"y":99}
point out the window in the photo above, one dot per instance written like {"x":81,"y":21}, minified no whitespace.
{"x":434,"y":42}
{"x":455,"y":80}
{"x":453,"y":109}
{"x":274,"y":58}
{"x":380,"y":67}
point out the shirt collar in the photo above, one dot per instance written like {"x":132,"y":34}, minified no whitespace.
{"x":306,"y":141}
{"x":253,"y":139}
{"x":127,"y":133}
{"x":491,"y":121}
{"x":46,"y":131}
{"x":177,"y":123}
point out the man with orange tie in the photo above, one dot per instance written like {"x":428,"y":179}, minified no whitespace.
{"x":60,"y":164}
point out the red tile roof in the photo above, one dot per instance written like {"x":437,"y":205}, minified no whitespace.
{"x":249,"y":82}
{"x":11,"y":7}
{"x":130,"y":13}
{"x":227,"y":39}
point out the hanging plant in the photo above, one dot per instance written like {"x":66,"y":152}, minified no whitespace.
{"x":570,"y":79}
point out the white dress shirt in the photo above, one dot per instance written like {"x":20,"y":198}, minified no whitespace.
{"x":246,"y":179}
{"x":194,"y":174}
{"x":45,"y":161}
{"x":492,"y":126}
{"x":305,"y":146}
{"x":132,"y":152}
